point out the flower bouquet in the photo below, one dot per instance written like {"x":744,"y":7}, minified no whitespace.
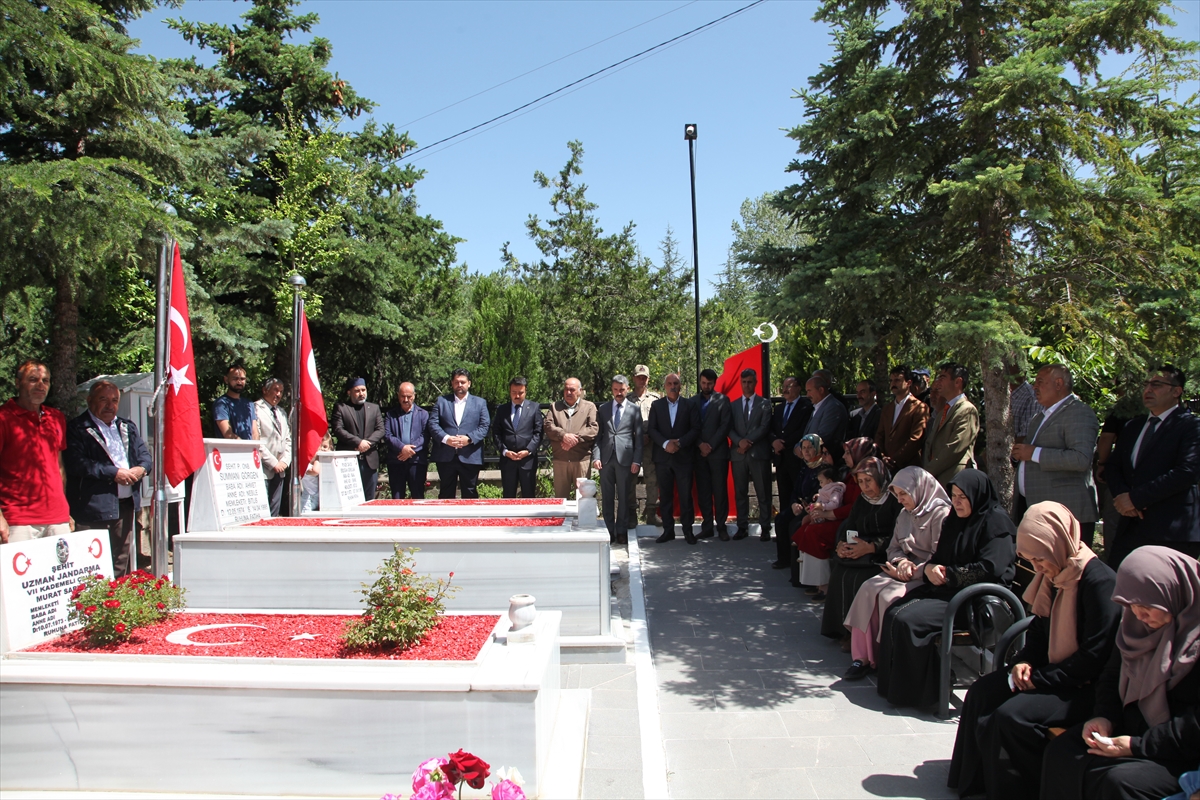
{"x":443,"y":778}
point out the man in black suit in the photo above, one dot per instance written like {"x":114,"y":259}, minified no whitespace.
{"x":864,"y":420}
{"x":674,"y":429}
{"x":517,"y":433}
{"x":617,"y":456}
{"x":830,"y":417}
{"x":787,"y":426}
{"x":1154,"y":471}
{"x":358,"y":426}
{"x":105,"y":462}
{"x":712,"y":467}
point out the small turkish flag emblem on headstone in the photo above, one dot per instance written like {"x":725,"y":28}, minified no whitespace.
{"x":257,"y":460}
{"x":216,"y":458}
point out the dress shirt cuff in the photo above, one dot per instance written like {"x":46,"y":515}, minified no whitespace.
{"x":667,"y":442}
{"x":1037,"y":455}
{"x":446,"y":439}
{"x":503,"y":451}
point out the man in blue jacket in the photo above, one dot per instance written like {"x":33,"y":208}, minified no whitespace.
{"x":408,"y":458}
{"x":458,"y":425}
{"x":105,"y":461}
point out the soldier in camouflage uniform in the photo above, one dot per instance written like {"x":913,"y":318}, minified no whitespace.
{"x":642,"y":398}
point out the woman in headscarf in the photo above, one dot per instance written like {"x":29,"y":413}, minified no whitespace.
{"x":1145,"y":727}
{"x":804,"y":486}
{"x":924,"y":505}
{"x":872,"y":519}
{"x":977,"y":545}
{"x":815,"y":537}
{"x":1051,"y":683}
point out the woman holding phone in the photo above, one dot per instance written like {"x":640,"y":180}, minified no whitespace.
{"x":1144,"y":732}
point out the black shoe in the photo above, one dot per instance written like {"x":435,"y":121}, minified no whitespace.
{"x":765,"y":534}
{"x":666,"y":537}
{"x":741,"y":534}
{"x":723,"y":534}
{"x":780,"y":565}
{"x":858,"y":670}
{"x":622,"y":538}
{"x":819,"y":597}
{"x":689,"y":537}
{"x":705,"y":533}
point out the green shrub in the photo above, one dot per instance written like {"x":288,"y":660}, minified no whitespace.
{"x":401,"y":604}
{"x":489,"y":492}
{"x":110,"y":611}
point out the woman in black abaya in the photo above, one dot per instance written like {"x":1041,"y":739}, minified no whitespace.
{"x":978,"y":545}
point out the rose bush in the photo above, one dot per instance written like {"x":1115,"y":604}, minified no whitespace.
{"x":110,"y":611}
{"x":437,"y":778}
{"x":402,"y":606}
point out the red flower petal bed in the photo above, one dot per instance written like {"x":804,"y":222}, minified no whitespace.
{"x":454,"y":638}
{"x":350,"y":522}
{"x":509,"y":501}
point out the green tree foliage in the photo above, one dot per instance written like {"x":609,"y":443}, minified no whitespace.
{"x":506,"y":339}
{"x":277,"y":188}
{"x":971,"y":178}
{"x":87,"y":143}
{"x":604,"y":304}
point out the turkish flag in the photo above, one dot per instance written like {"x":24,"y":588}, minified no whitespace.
{"x":183,"y":441}
{"x":313,"y":422}
{"x":729,"y":382}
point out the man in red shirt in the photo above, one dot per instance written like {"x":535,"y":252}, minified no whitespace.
{"x":32,"y":438}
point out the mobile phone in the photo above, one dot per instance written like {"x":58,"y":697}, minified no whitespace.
{"x":852,"y":537}
{"x":1101,"y":739}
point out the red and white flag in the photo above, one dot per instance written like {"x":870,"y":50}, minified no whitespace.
{"x":313,"y":422}
{"x":183,"y":440}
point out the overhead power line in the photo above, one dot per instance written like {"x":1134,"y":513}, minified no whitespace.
{"x":547,"y":64}
{"x":598,"y":72}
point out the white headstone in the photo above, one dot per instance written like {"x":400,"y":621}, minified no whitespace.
{"x":36,"y":581}
{"x":341,"y":482}
{"x":229,"y":489}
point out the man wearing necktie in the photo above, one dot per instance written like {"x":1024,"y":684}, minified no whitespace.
{"x":517,"y":433}
{"x":1154,"y":472}
{"x":617,"y":456}
{"x":950,"y":437}
{"x":787,"y":426}
{"x":674,"y":429}
{"x":712,"y":466}
{"x":750,"y":455}
{"x":1055,"y":461}
{"x":408,"y":457}
{"x":275,"y":442}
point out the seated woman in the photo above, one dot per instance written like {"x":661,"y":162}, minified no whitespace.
{"x":804,"y":486}
{"x":872,"y":519}
{"x":1145,"y":730}
{"x":977,"y":545}
{"x":924,"y":505}
{"x":1052,"y":682}
{"x":815,"y":536}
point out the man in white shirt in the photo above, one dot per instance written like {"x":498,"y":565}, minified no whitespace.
{"x":105,"y":462}
{"x":275,"y":441}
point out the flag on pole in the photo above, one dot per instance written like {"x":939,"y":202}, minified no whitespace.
{"x":729,"y":383}
{"x":313,"y":422}
{"x":183,"y":440}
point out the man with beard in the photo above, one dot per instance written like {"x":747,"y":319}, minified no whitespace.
{"x":358,"y":426}
{"x":712,"y":466}
{"x":233,"y":413}
{"x":458,"y":425}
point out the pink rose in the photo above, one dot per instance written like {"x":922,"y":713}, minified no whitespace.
{"x":431,"y":777}
{"x":434,"y":791}
{"x":507,"y":790}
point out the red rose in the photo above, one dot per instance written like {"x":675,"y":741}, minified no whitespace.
{"x":89,"y":610}
{"x":141,"y":592}
{"x":467,"y":767}
{"x":451,"y":574}
{"x":404,"y":588}
{"x":112,"y":603}
{"x":119,"y":627}
{"x":110,"y":594}
{"x":79,"y":606}
{"x":161,"y":606}
{"x":429,"y":599}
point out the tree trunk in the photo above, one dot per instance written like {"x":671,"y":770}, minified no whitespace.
{"x":997,"y":428}
{"x":64,"y":344}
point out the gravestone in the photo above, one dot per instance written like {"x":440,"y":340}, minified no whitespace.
{"x":36,"y":581}
{"x":229,"y":489}
{"x":341,"y":482}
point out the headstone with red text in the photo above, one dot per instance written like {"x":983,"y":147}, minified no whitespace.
{"x":228,"y":489}
{"x":36,"y":581}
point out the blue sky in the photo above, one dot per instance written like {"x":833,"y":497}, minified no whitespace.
{"x":735,"y":80}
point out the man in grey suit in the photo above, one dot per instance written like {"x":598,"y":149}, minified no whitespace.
{"x":829,"y":418}
{"x":617,"y":456}
{"x":712,"y":468}
{"x":750,"y":434}
{"x":1055,"y":462}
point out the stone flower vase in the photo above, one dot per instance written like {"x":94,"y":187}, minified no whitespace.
{"x":521,"y":611}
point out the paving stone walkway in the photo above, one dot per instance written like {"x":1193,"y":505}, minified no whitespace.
{"x":751,"y":699}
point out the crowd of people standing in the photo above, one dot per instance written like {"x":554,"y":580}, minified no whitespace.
{"x":883,"y":518}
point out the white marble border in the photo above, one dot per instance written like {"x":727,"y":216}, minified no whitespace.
{"x":654,"y":758}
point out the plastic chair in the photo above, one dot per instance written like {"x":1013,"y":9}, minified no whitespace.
{"x":1015,"y":632}
{"x":947,"y":640}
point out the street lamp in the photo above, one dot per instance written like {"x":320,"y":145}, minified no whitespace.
{"x":689,"y":133}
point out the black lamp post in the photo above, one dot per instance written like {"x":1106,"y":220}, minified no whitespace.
{"x":689,"y":133}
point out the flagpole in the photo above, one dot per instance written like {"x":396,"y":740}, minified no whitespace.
{"x":158,"y":537}
{"x":298,"y":283}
